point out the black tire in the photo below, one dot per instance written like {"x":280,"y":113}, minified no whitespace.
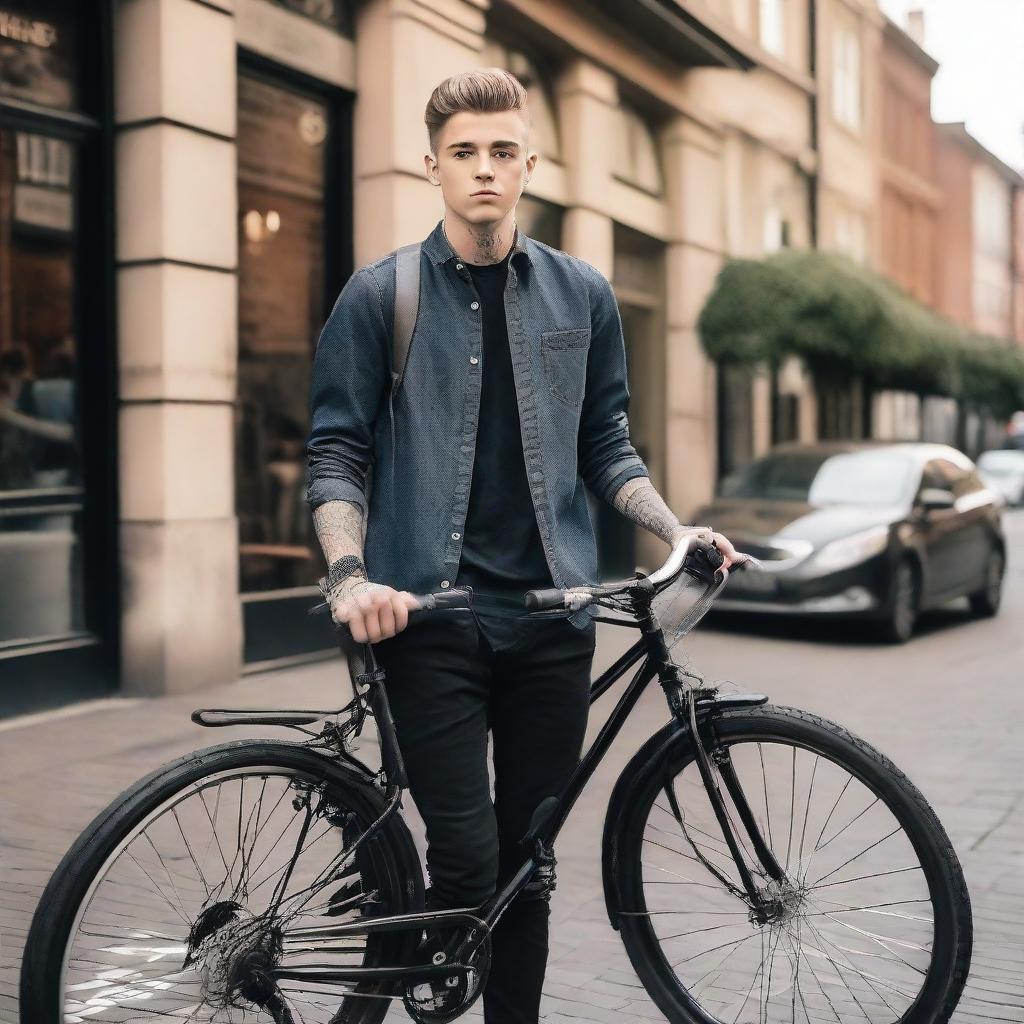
{"x":898,"y":625}
{"x":388,"y":861}
{"x":985,"y":602}
{"x":669,"y":755}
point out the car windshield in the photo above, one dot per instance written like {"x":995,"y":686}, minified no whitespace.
{"x":1001,"y":463}
{"x":848,"y":478}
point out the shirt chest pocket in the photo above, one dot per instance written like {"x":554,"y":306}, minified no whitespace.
{"x":565,"y":364}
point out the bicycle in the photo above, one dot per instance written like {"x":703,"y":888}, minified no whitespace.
{"x":754,"y":858}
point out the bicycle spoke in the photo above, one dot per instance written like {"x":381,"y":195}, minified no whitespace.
{"x":137,"y":955}
{"x":799,"y":969}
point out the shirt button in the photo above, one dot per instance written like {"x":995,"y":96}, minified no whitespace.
{"x":474,"y":360}
{"x":444,"y":584}
{"x":458,"y":266}
{"x":474,"y":305}
{"x":538,"y":476}
{"x":456,"y":536}
{"x":464,"y":448}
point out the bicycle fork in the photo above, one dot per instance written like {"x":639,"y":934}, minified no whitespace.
{"x":686,"y":705}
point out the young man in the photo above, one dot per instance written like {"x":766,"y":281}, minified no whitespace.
{"x":514,"y":396}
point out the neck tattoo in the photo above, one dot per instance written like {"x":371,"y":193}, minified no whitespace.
{"x":487,"y":247}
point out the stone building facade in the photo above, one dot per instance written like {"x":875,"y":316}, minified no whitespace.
{"x":240,"y":158}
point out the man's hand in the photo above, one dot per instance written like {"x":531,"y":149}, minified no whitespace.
{"x":706,"y":534}
{"x":372,"y":611}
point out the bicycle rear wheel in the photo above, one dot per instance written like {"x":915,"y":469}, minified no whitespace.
{"x":178,"y":901}
{"x":870,"y":923}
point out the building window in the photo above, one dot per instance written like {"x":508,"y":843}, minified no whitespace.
{"x":772,"y":25}
{"x":775,"y":230}
{"x":283,"y":137}
{"x":37,"y":55}
{"x":846,"y":77}
{"x":42,"y":476}
{"x":335,"y":14}
{"x":635,"y":156}
{"x":41,"y":493}
{"x":851,"y":235}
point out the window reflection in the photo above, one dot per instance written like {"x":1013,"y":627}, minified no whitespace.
{"x":282,"y":136}
{"x":37,"y":53}
{"x":40,"y":460}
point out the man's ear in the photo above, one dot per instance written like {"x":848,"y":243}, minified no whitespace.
{"x":431,"y":166}
{"x":531,"y":163}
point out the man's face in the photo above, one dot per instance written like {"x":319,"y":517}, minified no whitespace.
{"x":482,"y":164}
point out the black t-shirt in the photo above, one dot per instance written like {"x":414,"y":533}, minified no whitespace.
{"x":502,"y":553}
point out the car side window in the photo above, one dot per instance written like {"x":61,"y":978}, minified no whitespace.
{"x":959,"y":481}
{"x":933,"y":477}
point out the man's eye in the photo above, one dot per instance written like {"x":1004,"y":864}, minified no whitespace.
{"x":504,"y":152}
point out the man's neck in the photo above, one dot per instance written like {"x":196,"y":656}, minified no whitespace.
{"x":481,"y":244}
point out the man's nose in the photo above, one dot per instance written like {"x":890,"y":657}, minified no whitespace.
{"x":484,"y":170}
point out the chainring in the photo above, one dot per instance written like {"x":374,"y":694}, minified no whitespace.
{"x":448,"y":1002}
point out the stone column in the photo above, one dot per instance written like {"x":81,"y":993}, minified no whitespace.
{"x":587,"y":97}
{"x":693,"y":174}
{"x":177,"y":205}
{"x":405,"y":50}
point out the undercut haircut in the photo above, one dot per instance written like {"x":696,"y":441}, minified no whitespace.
{"x":485,"y":91}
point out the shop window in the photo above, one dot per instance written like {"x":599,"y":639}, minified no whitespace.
{"x":37,"y":57}
{"x":283,"y":136}
{"x":735,"y":418}
{"x":540,"y":220}
{"x":41,"y":494}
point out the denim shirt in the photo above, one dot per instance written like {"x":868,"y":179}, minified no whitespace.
{"x":569,"y":364}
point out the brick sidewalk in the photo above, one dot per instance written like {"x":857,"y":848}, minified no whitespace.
{"x":947,"y":708}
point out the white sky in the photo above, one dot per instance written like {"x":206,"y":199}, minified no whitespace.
{"x":980,"y":46}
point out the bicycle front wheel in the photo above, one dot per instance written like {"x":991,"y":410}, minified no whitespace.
{"x":870,"y":920}
{"x":184,"y":899}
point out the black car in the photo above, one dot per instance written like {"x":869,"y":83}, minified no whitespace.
{"x":874,"y":530}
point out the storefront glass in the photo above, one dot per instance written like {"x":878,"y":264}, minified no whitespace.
{"x":41,"y":494}
{"x":37,"y":55}
{"x":283,"y":136}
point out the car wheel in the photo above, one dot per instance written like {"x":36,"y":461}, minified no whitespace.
{"x":985,"y":602}
{"x":898,"y":628}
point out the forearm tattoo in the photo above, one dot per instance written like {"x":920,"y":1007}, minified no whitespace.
{"x":339,"y":528}
{"x":639,"y":501}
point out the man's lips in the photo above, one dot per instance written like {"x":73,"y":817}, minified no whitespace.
{"x":486,"y":192}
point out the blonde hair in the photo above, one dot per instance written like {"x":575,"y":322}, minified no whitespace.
{"x":486,"y":91}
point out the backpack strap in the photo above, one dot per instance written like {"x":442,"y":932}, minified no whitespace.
{"x":407,"y":305}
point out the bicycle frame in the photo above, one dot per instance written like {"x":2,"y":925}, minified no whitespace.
{"x":548,"y":819}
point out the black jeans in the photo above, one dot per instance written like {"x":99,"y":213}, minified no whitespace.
{"x":529,"y":684}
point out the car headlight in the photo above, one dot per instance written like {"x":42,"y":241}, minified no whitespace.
{"x":841,"y":554}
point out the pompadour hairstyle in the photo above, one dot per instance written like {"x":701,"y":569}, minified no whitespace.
{"x":485,"y":91}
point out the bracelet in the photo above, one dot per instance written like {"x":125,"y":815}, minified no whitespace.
{"x":344,"y":568}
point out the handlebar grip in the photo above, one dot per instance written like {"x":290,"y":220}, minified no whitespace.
{"x":441,"y":599}
{"x":539,"y":600}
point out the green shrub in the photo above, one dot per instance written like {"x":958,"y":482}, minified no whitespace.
{"x":837,"y":316}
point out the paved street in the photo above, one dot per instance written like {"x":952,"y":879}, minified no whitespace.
{"x":947,"y":708}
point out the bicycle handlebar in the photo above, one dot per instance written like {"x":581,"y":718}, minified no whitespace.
{"x":555,"y":598}
{"x":552,"y":598}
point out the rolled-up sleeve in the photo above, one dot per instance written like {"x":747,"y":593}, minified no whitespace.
{"x":606,"y":456}
{"x":349,"y":378}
